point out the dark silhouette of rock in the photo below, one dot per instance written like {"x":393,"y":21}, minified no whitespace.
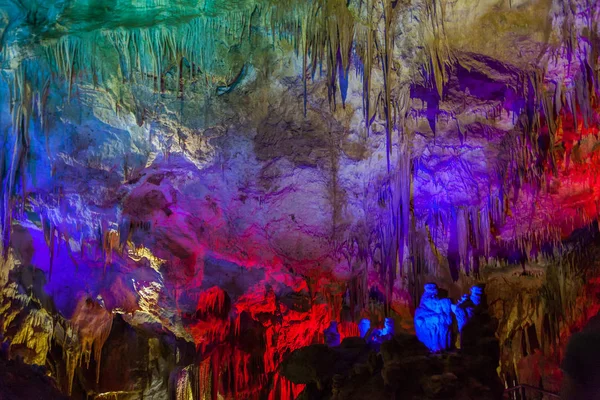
{"x":332,"y":336}
{"x":311,"y":364}
{"x":403,"y":369}
{"x":20,"y":381}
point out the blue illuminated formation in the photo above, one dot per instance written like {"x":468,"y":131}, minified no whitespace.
{"x":364,"y":326}
{"x":381,"y":335}
{"x":433,"y":317}
{"x":388,"y":328}
{"x":477,"y":295}
{"x":433,"y":320}
{"x":465,"y":308}
{"x":332,"y":336}
{"x":463,"y":311}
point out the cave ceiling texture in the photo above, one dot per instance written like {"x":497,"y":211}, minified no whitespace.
{"x":192,"y":190}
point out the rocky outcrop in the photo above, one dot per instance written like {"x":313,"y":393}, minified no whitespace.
{"x":25,"y":381}
{"x":404,"y":368}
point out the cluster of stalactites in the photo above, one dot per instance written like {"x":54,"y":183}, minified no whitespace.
{"x":109,"y":240}
{"x":233,"y":370}
{"x":327,"y":34}
{"x":229,"y":373}
{"x":146,"y":55}
{"x":80,"y":337}
{"x":85,"y":333}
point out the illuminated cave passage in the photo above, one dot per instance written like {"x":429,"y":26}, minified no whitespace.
{"x":284,"y":199}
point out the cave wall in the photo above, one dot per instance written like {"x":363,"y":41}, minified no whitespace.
{"x":221,"y":180}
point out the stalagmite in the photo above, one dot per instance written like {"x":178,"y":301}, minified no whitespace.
{"x":433,"y":320}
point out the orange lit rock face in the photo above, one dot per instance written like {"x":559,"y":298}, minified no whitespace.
{"x":194,"y":193}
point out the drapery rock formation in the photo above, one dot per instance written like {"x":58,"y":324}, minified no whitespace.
{"x":192,"y":190}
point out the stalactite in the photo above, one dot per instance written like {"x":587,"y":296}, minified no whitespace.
{"x":66,"y":55}
{"x":385,"y":57}
{"x":110,"y":243}
{"x":304,"y":60}
{"x":204,"y":379}
{"x":71,"y":355}
{"x":395,"y":197}
{"x":183,"y":390}
{"x":365,"y":49}
{"x":439,"y":53}
{"x":22,"y":102}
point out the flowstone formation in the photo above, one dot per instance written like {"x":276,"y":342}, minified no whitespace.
{"x":433,"y":320}
{"x":194,"y":190}
{"x":436,"y":318}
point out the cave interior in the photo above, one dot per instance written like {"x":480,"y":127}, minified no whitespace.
{"x":296,"y":199}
